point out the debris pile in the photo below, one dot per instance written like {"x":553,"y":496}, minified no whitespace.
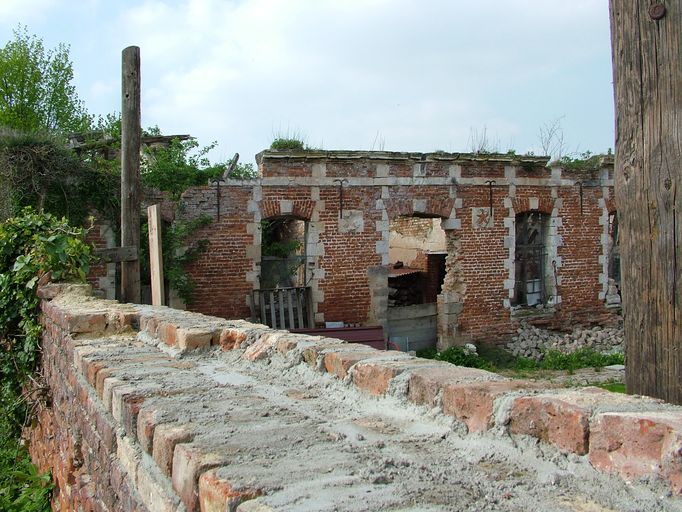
{"x":532,"y":342}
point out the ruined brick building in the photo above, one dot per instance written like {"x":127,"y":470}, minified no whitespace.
{"x":454,"y":247}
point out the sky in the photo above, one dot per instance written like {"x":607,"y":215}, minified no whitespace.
{"x":393,"y":75}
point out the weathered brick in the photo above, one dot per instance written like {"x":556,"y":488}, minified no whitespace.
{"x":192,"y":338}
{"x":473,"y":403}
{"x":189,"y":462}
{"x":231,"y":339}
{"x":167,"y":332}
{"x":374,"y":376}
{"x":166,"y":437}
{"x":218,"y":494}
{"x":86,"y":322}
{"x":638,"y":444}
{"x":425,"y":384}
{"x":338,"y":363}
{"x":560,"y":419}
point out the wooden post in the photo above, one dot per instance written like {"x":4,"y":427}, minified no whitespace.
{"x":155,"y":254}
{"x":130,"y":171}
{"x":647,"y":62}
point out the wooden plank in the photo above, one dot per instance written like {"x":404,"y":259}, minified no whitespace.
{"x":282,"y":317}
{"x":290,"y":307}
{"x":116,"y":254}
{"x":273,"y":315}
{"x":309,"y":306}
{"x":130,"y":170}
{"x":156,"y":255}
{"x":647,"y":58}
{"x":299,"y":308}
{"x":261,"y":299}
{"x":252,"y":307}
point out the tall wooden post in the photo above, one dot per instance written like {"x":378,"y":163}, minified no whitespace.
{"x":130,"y":171}
{"x":647,"y":63}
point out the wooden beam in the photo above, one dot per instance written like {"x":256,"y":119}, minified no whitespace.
{"x":156,"y":254}
{"x":647,"y":60}
{"x":130,"y":170}
{"x":116,"y":254}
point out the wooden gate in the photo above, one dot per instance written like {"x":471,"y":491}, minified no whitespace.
{"x":283,"y":308}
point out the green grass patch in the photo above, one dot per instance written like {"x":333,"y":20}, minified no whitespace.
{"x":616,"y":387}
{"x":495,"y":359}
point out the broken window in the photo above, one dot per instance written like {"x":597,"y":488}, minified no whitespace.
{"x":530,"y":258}
{"x":283,"y":253}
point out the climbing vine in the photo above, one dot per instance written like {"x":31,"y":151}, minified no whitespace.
{"x":31,"y":245}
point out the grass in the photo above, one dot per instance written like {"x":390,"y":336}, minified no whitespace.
{"x":616,"y":387}
{"x":496,"y":359}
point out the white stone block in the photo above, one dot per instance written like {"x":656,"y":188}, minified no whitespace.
{"x":286,"y":206}
{"x":447,"y":224}
{"x":533,"y":203}
{"x":382,"y":171}
{"x":319,"y":170}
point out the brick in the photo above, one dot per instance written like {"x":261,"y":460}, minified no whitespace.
{"x":561,"y":419}
{"x":189,"y":462}
{"x":192,"y":339}
{"x":147,"y":420}
{"x":262,"y":348}
{"x":167,"y":333}
{"x":473,"y":403}
{"x":218,"y":494}
{"x":425,"y":384}
{"x":86,"y":322}
{"x":339,"y":363}
{"x":231,"y":339}
{"x":166,"y":437}
{"x":638,"y":444}
{"x":375,"y":377}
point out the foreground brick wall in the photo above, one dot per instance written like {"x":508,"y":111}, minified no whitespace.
{"x":131,"y":427}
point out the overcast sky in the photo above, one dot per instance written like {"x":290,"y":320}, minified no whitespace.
{"x":398,"y":75}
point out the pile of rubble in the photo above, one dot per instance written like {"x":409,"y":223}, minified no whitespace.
{"x":531,"y":341}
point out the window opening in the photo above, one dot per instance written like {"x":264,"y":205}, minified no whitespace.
{"x":283,"y":253}
{"x":530,"y":258}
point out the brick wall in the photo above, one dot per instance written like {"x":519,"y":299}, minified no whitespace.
{"x":135,"y":420}
{"x":380,"y":188}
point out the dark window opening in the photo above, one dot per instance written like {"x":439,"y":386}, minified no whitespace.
{"x":283,"y":253}
{"x":530,"y":259}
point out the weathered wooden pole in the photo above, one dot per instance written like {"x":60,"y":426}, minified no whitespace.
{"x":130,"y":171}
{"x":647,"y":63}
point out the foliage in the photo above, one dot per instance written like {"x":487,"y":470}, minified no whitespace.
{"x":286,"y":144}
{"x":22,"y":487}
{"x":271,"y":245}
{"x":496,"y":359}
{"x":586,"y":161}
{"x":177,"y":254}
{"x":458,"y":356}
{"x":614,"y":387}
{"x":31,"y":245}
{"x":36,"y":90}
{"x":37,"y":170}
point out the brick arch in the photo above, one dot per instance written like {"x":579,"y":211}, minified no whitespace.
{"x":301,"y":209}
{"x":430,"y":207}
{"x":522,"y":204}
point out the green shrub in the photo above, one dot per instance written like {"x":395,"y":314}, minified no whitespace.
{"x":459,"y":356}
{"x":31,"y":245}
{"x":287,"y":144}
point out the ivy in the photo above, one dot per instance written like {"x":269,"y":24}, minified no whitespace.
{"x":31,"y":245}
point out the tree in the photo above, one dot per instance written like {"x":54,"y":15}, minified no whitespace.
{"x":36,"y":89}
{"x":647,"y":59}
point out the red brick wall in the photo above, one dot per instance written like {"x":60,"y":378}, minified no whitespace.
{"x":343,"y":292}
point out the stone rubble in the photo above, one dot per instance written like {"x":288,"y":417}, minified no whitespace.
{"x":532,"y":342}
